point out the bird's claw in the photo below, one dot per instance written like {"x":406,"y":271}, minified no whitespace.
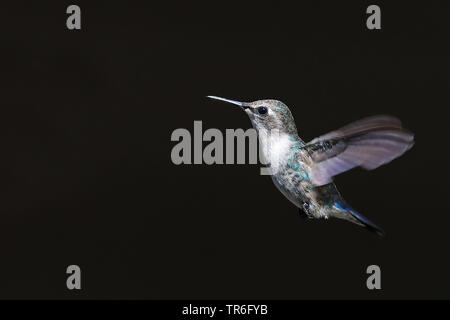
{"x":305,"y":209}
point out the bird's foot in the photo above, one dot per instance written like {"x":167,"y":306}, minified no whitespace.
{"x":304,"y":211}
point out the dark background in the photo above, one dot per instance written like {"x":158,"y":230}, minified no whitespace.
{"x":87,"y":179}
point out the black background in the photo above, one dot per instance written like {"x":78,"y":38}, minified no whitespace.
{"x":87,"y":179}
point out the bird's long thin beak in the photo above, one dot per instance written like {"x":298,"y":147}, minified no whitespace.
{"x":238,"y":103}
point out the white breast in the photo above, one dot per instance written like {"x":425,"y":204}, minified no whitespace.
{"x":274,"y":147}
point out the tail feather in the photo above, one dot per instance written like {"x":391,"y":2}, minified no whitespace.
{"x":360,"y":219}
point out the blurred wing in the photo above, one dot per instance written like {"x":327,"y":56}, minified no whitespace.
{"x":369,"y":143}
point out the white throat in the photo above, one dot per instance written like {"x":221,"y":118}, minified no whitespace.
{"x":274,"y":147}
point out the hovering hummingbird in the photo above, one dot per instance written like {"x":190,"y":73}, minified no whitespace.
{"x":303,"y":172}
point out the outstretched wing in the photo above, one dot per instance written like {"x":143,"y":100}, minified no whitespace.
{"x":369,"y":143}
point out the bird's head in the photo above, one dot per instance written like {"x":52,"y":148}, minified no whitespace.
{"x":266,"y":115}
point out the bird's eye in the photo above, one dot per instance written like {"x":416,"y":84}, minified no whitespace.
{"x":262,"y":110}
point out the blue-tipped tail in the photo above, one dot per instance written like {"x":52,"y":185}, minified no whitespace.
{"x":342,"y":205}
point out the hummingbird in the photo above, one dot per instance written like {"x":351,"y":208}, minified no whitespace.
{"x":303,"y":172}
